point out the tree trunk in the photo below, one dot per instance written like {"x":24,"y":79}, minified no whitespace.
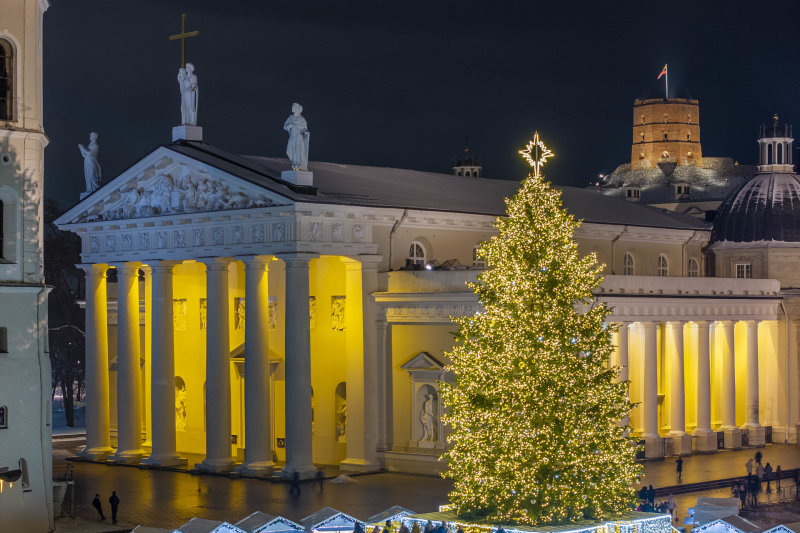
{"x":67,"y":392}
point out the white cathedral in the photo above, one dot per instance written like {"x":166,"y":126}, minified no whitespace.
{"x":26,"y":487}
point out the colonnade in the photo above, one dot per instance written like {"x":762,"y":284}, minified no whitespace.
{"x":258,"y":439}
{"x":675,"y":390}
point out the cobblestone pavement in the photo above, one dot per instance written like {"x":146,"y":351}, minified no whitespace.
{"x":168,"y":499}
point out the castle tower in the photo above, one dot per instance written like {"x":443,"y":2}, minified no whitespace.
{"x":666,"y":130}
{"x":467,"y":164}
{"x":26,"y":489}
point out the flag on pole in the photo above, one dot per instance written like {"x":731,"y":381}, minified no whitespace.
{"x":663,"y":72}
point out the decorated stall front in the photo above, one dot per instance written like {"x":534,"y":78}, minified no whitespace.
{"x":259,"y":522}
{"x":330,"y":520}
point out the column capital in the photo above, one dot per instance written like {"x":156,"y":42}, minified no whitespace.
{"x":255,"y":261}
{"x":296,"y":259}
{"x":675,"y":323}
{"x":127,"y":268}
{"x":649,"y":325}
{"x":701,"y":322}
{"x":163,"y":265}
{"x":94,"y":269}
{"x":751,"y":323}
{"x":215,"y":263}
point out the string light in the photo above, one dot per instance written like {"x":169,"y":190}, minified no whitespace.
{"x":534,"y":410}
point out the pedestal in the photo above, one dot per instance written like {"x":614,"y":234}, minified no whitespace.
{"x":704,"y":442}
{"x":733,"y":438}
{"x":681,"y":444}
{"x":298,"y":177}
{"x":359,"y":466}
{"x":653,"y":448}
{"x":756,"y":436}
{"x":187,"y":133}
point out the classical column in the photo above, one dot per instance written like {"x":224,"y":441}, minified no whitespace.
{"x":162,"y":368}
{"x":362,"y":369}
{"x":218,"y":369}
{"x":681,"y":441}
{"x":383,"y":389}
{"x":257,"y":410}
{"x":129,"y":357}
{"x":650,"y":385}
{"x":755,"y":432}
{"x":298,"y":368}
{"x":706,"y":439}
{"x":622,"y":359}
{"x":98,"y":443}
{"x":733,"y":435}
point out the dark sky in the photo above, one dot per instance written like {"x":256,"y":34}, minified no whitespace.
{"x":400,"y":84}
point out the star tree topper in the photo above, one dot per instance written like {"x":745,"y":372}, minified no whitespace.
{"x":536,"y":153}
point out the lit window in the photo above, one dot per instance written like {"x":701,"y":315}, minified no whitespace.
{"x":694,"y":268}
{"x":744,"y":270}
{"x":663,"y":265}
{"x":627,"y":264}
{"x":416,"y":254}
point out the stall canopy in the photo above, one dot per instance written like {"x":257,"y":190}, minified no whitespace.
{"x":201,"y":525}
{"x":329,"y":519}
{"x":392,"y":513}
{"x":259,"y":522}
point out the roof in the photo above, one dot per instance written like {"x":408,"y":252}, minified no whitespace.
{"x":370,"y":186}
{"x":328,"y":519}
{"x":262,"y":522}
{"x":202,"y":525}
{"x":764,"y":208}
{"x":389,"y":514}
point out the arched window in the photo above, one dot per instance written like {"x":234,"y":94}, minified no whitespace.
{"x":6,"y":80}
{"x":416,"y":254}
{"x":694,"y":268}
{"x":663,"y":265}
{"x":627,"y":264}
{"x":467,"y":174}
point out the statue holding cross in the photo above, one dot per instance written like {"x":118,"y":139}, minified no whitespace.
{"x":187,"y":79}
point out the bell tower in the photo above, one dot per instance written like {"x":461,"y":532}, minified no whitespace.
{"x":26,"y":479}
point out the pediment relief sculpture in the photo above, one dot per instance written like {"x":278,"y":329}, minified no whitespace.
{"x":167,"y":189}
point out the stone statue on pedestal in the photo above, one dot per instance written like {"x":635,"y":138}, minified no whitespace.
{"x":299,"y":136}
{"x":187,"y":81}
{"x":91,"y":168}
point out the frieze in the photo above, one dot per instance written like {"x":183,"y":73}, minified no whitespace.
{"x":94,"y":244}
{"x":218,"y":235}
{"x":237,"y":235}
{"x":198,"y":237}
{"x":257,"y":233}
{"x":337,"y":232}
{"x":127,"y":242}
{"x":316,"y":231}
{"x":358,"y":233}
{"x":111,"y":243}
{"x":162,"y":240}
{"x":180,"y":238}
{"x":279,"y":232}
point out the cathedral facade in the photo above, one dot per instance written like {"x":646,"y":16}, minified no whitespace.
{"x":26,"y":487}
{"x":256,"y":319}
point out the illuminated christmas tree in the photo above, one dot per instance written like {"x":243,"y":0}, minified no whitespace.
{"x":534,"y":409}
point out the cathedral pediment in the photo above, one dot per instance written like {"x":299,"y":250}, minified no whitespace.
{"x":423,"y":361}
{"x":168,"y":183}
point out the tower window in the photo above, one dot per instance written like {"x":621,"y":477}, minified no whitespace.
{"x":666,"y":137}
{"x":6,"y":80}
{"x":694,"y":268}
{"x":642,"y":119}
{"x":689,"y":118}
{"x":666,"y":117}
{"x":642,"y":136}
{"x":663,"y":266}
{"x":416,"y":254}
{"x":689,"y":136}
{"x":627,"y":264}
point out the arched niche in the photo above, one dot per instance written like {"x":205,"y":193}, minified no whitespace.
{"x":425,"y":414}
{"x":340,"y":412}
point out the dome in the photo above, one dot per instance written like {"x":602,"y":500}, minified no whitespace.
{"x":764,"y":208}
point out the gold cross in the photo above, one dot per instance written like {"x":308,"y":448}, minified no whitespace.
{"x":183,"y":35}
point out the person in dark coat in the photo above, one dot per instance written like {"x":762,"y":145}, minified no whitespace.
{"x":99,"y":506}
{"x":651,"y":495}
{"x":679,"y":467}
{"x":114,"y":501}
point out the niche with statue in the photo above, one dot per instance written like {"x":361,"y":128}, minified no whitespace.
{"x":427,"y":429}
{"x":340,"y":413}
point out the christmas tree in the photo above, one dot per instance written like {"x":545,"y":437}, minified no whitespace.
{"x":535,"y":410}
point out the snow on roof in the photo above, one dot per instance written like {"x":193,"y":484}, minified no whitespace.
{"x":330,"y":519}
{"x":370,"y":186}
{"x":259,"y":522}
{"x":392,"y":513}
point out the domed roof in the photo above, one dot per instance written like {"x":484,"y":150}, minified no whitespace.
{"x":764,"y":208}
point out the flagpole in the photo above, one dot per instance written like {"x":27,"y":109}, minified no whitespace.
{"x":666,"y":67}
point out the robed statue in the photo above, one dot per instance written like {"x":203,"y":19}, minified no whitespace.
{"x":297,"y":148}
{"x":91,"y":168}
{"x":187,"y":81}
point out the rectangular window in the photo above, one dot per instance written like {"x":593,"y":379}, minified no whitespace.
{"x":3,"y":340}
{"x":744,"y":270}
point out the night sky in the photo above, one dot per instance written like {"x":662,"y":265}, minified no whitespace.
{"x":400,"y":84}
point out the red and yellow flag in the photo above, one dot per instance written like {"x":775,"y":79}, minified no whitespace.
{"x":663,"y":72}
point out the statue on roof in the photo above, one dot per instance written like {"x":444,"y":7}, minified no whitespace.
{"x":187,"y":81}
{"x":299,"y":136}
{"x":91,"y":168}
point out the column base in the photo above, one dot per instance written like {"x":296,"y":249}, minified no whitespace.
{"x":214,"y":466}
{"x":756,"y":435}
{"x":165,"y":460}
{"x":256,"y":468}
{"x":653,"y":447}
{"x":128,"y":457}
{"x":733,"y":438}
{"x":96,"y":454}
{"x":359,"y":465}
{"x":704,"y":441}
{"x":681,"y":444}
{"x":303,"y":472}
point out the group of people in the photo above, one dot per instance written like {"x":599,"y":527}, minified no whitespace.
{"x":648,"y":504}
{"x":430,"y":527}
{"x":748,"y":489}
{"x":113,"y":501}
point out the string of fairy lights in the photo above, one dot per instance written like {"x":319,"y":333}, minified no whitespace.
{"x":534,"y":409}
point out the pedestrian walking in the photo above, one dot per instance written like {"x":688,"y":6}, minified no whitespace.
{"x":295,"y":483}
{"x":778,"y":474}
{"x":760,"y":471}
{"x":114,"y":501}
{"x":768,"y":477}
{"x":320,"y":478}
{"x":672,"y":505}
{"x":679,"y":467}
{"x":99,"y":506}
{"x":749,"y":466}
{"x":651,"y":496}
{"x":758,"y":457}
